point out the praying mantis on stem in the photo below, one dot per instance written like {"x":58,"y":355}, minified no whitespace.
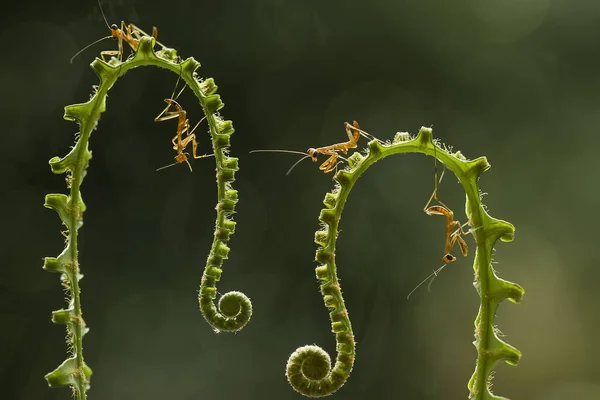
{"x":183,"y":126}
{"x":332,"y":151}
{"x":130,"y":34}
{"x":454,"y":229}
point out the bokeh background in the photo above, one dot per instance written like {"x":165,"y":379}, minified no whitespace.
{"x":516,"y":81}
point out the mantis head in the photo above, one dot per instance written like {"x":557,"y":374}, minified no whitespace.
{"x":448,"y":258}
{"x":115,"y":31}
{"x":312,"y":153}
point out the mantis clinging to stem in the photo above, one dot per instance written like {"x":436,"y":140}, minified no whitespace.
{"x":130,"y":34}
{"x":332,"y":151}
{"x":454,"y":228}
{"x":183,"y":126}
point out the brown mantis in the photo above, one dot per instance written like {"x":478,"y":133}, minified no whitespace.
{"x":332,"y":151}
{"x":130,"y":34}
{"x":454,"y":228}
{"x":183,"y":126}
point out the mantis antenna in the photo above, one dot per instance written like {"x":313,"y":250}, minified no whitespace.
{"x":87,"y":47}
{"x":285,"y":151}
{"x":433,"y":275}
{"x":175,"y":163}
{"x":96,"y":41}
{"x":179,"y":162}
{"x":332,"y":151}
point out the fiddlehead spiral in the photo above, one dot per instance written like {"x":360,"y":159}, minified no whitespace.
{"x":235,"y":306}
{"x":308,"y":369}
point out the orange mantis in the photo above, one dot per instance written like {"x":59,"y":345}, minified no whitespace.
{"x":332,"y":151}
{"x":454,"y":229}
{"x":183,"y":126}
{"x":130,"y":34}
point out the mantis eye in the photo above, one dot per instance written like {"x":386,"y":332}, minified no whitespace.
{"x":114,"y":27}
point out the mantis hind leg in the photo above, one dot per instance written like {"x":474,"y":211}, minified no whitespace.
{"x":435,"y":189}
{"x":353,"y":137}
{"x":191,"y":137}
{"x":356,"y":127}
{"x":167,"y":115}
{"x":138,"y":33}
{"x":176,"y":139}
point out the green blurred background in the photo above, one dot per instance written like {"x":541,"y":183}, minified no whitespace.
{"x":516,"y":81}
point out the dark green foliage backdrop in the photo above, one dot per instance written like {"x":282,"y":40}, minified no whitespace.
{"x":517,"y":81}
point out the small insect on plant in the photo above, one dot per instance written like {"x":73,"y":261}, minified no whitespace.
{"x":183,"y":126}
{"x":454,"y":229}
{"x":131,"y":34}
{"x":332,"y":151}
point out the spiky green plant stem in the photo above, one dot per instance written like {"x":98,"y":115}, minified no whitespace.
{"x":235,"y":308}
{"x":308,"y":368}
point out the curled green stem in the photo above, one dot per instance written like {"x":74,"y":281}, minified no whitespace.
{"x":236,"y":307}
{"x":309,"y":368}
